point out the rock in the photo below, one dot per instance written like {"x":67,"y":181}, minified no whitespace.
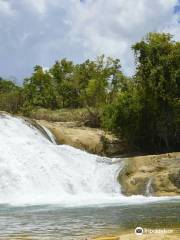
{"x":157,"y":175}
{"x":92,"y":140}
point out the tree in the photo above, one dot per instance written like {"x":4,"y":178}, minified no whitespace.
{"x":7,"y":86}
{"x":62,"y":72}
{"x":103,"y":82}
{"x":146,"y":110}
{"x":122,"y":115}
{"x":39,"y":89}
{"x":158,"y":80}
{"x":11,"y":98}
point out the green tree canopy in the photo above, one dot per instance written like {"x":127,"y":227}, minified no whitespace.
{"x":11,"y":98}
{"x":148,"y":114}
{"x":39,"y":89}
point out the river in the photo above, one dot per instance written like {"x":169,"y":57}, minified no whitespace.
{"x":59,"y":192}
{"x":65,"y":223}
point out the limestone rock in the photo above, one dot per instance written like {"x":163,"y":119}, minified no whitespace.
{"x":157,"y":175}
{"x":93,"y":140}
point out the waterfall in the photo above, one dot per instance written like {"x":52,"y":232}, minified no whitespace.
{"x":149,"y":190}
{"x":33,"y":170}
{"x":49,"y":134}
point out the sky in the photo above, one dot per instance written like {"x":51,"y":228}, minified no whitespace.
{"x":42,"y":31}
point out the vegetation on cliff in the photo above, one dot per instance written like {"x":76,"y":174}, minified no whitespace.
{"x":144,"y":109}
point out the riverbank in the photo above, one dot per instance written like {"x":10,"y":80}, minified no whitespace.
{"x":130,"y":235}
{"x":123,"y":236}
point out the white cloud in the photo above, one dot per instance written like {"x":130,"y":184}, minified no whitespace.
{"x":111,"y":27}
{"x":42,"y":31}
{"x":42,"y":6}
{"x":38,"y":5}
{"x":5,"y":8}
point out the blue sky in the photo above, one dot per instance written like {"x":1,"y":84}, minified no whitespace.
{"x":42,"y":31}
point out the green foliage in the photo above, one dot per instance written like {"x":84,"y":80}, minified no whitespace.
{"x":61,"y":73}
{"x":11,"y":98}
{"x":148,"y":114}
{"x":144,"y":109}
{"x":86,"y":84}
{"x":103,"y":81}
{"x":123,"y":115}
{"x":158,"y":78}
{"x":6,"y":86}
{"x":39,"y":90}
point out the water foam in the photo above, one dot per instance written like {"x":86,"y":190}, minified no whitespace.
{"x":34,"y":170}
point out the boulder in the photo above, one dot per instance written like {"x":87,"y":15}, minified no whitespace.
{"x":93,"y":140}
{"x":157,"y":175}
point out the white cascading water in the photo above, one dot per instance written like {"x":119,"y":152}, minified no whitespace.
{"x":34,"y":171}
